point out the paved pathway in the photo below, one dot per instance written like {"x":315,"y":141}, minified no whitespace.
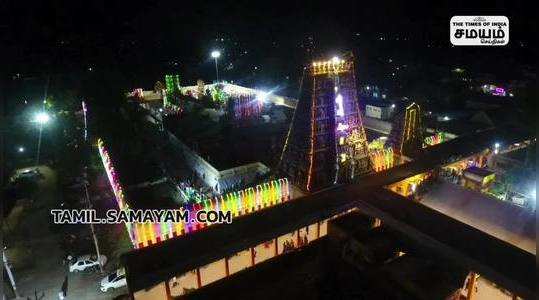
{"x":35,"y":254}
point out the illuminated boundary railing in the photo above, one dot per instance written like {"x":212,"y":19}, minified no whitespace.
{"x":246,"y":106}
{"x":114,"y":183}
{"x":239,"y":203}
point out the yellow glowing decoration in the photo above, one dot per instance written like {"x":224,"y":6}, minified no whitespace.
{"x":333,"y":66}
{"x":382,"y":159}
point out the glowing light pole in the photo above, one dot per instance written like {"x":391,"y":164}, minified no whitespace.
{"x":215,"y":55}
{"x":84,"y":110}
{"x":41,"y":118}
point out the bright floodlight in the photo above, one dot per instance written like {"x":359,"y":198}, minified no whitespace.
{"x":497,"y":145}
{"x":262,"y":96}
{"x":335,"y":59}
{"x":215,"y":54}
{"x":21,"y":149}
{"x":392,"y":105}
{"x":42,"y":118}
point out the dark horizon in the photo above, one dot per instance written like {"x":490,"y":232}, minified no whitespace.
{"x":144,"y":41}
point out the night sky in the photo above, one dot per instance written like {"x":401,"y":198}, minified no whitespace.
{"x":144,"y":40}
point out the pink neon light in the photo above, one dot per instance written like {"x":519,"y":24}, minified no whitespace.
{"x":499,"y":91}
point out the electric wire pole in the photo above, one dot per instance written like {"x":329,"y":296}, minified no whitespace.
{"x":96,"y":244}
{"x":86,"y":183}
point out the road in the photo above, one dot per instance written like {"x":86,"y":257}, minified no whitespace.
{"x":501,"y":219}
{"x":35,"y":254}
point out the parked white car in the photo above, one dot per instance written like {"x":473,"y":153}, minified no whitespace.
{"x":114,"y":280}
{"x":86,"y":262}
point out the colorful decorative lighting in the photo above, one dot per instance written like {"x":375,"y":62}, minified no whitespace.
{"x":382,"y":159}
{"x":333,"y":66}
{"x":246,"y":107}
{"x":114,"y":183}
{"x":435,"y":139}
{"x":172,"y":84}
{"x":239,"y":203}
{"x":499,"y":91}
{"x":340,"y":108}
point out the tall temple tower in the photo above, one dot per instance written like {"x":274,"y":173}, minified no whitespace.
{"x":326,"y":143}
{"x":406,"y":136}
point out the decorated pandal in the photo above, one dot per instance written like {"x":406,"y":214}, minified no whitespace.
{"x":239,"y":203}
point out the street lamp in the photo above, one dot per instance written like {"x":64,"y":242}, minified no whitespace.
{"x":20,"y":149}
{"x":41,"y":118}
{"x":215,"y":54}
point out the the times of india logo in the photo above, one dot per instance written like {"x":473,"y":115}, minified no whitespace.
{"x":479,"y":30}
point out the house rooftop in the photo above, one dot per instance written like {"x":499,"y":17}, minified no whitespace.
{"x":482,"y":172}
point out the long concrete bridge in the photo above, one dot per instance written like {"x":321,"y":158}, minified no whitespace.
{"x":503,"y":263}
